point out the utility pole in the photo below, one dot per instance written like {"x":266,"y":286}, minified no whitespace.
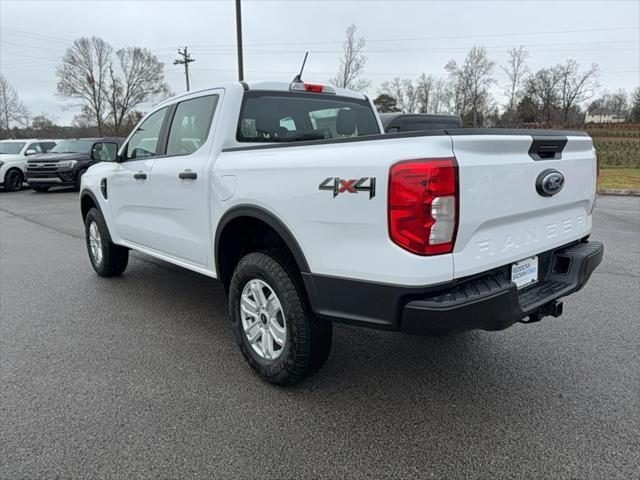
{"x":186,"y":60}
{"x":239,"y":39}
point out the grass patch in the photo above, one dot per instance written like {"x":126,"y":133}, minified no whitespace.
{"x":622,"y":178}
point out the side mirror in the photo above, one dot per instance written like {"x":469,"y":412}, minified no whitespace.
{"x":105,"y":152}
{"x":31,"y":151}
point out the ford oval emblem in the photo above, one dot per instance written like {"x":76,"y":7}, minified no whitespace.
{"x":549,"y":182}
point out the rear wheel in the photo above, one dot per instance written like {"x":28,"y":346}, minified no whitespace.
{"x":107,"y":258}
{"x":274,"y":326}
{"x":40,"y":188}
{"x":13,"y":180}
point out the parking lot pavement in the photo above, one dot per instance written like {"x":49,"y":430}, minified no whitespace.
{"x":140,"y":376}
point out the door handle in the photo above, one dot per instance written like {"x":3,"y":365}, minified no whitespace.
{"x":187,"y":175}
{"x":140,"y":176}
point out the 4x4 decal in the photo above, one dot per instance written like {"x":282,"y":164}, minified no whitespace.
{"x":338,"y":185}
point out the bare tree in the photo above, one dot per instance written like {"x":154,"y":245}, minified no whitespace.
{"x":617,"y":102}
{"x":42,"y":122}
{"x":83,"y":77}
{"x":12,"y":110}
{"x":138,"y":77}
{"x":575,"y":86}
{"x":404,"y":93}
{"x":476,"y":75}
{"x":351,"y":71}
{"x":440,"y":99}
{"x":456,"y":89}
{"x":634,"y":113}
{"x":543,"y":87}
{"x":424,"y":90}
{"x":516,"y":70}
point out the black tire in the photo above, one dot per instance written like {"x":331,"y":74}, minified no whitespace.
{"x":13,"y":180}
{"x":40,"y":188}
{"x":308,"y":339}
{"x":114,"y":258}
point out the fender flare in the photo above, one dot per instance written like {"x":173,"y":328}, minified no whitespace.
{"x":88,"y":193}
{"x":264,"y":215}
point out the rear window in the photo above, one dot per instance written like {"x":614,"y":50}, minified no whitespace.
{"x":291,"y":117}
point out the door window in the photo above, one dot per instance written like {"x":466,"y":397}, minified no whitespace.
{"x":190,"y":125}
{"x":34,"y":148}
{"x":144,"y":142}
{"x":46,"y":146}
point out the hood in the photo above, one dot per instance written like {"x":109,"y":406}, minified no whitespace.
{"x":57,"y":157}
{"x":8,"y":157}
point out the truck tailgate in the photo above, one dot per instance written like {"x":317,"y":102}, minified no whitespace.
{"x":503,"y":217}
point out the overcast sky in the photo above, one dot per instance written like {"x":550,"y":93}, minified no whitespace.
{"x":404,"y":38}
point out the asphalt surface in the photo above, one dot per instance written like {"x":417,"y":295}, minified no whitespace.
{"x":140,"y":377}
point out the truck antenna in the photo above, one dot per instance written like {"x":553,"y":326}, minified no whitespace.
{"x":298,"y":78}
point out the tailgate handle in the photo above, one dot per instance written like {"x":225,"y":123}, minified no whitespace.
{"x":547,"y":148}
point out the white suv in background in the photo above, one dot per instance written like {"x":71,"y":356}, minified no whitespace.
{"x":13,"y":160}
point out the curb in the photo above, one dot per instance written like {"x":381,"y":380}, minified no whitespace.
{"x":619,"y":191}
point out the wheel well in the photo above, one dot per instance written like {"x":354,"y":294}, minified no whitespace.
{"x":243,"y":235}
{"x":86,"y":204}
{"x":14,"y":169}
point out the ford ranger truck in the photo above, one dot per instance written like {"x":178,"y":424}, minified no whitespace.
{"x":291,"y":195}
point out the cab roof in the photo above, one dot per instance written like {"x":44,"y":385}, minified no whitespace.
{"x":258,"y":85}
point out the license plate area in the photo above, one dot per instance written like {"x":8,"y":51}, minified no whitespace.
{"x":525,"y":272}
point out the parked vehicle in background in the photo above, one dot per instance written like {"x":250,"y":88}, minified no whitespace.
{"x":294,"y":198}
{"x":13,"y":160}
{"x":65,"y":164}
{"x":415,"y":122}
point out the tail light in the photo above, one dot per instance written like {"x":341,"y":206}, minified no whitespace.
{"x":423,"y":205}
{"x":310,"y":87}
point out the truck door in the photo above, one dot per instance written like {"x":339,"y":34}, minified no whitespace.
{"x":180,"y":182}
{"x":129,"y":193}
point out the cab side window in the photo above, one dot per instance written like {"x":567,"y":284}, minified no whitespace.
{"x":41,"y":147}
{"x":34,"y":148}
{"x":46,"y":146}
{"x":190,"y":125}
{"x":144,"y":142}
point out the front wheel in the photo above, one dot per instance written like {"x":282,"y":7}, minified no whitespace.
{"x":13,"y":181}
{"x":276,"y":330}
{"x":107,"y":258}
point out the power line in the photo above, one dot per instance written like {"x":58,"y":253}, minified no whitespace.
{"x":34,"y":34}
{"x":39,"y":36}
{"x":421,"y":50}
{"x":37,"y":47}
{"x":487,"y":35}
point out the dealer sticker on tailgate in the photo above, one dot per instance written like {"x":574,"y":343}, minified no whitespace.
{"x":525,"y":272}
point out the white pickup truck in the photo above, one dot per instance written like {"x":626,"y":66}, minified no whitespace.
{"x":293,"y":198}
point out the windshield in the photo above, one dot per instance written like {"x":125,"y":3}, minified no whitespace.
{"x":11,"y":148}
{"x":73,"y":146}
{"x":290,"y":117}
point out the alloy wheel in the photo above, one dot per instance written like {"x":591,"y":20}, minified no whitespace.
{"x":263,"y":319}
{"x":95,"y":243}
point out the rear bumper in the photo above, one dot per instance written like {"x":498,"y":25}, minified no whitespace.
{"x":489,"y":301}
